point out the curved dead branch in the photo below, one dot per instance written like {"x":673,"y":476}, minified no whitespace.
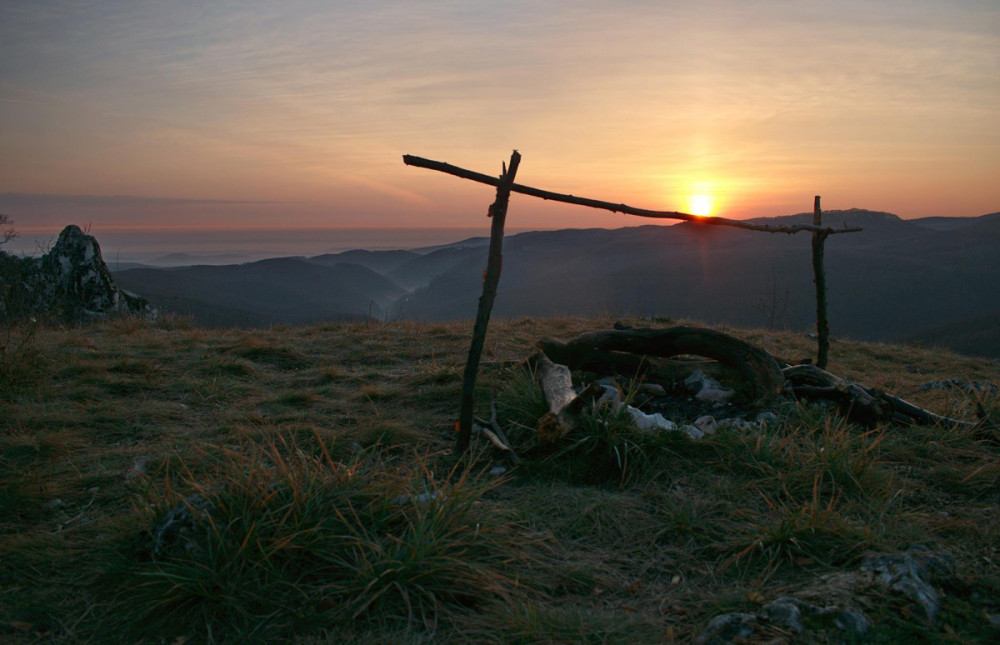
{"x":619,"y":348}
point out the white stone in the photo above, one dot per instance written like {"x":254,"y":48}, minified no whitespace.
{"x":692,"y":432}
{"x":707,"y":388}
{"x":650,"y":422}
{"x":707,"y":424}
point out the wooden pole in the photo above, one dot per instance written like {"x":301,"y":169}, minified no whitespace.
{"x":819,"y":277}
{"x":498,"y":211}
{"x":449,"y":169}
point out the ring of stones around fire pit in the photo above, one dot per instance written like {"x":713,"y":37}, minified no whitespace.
{"x":697,"y":406}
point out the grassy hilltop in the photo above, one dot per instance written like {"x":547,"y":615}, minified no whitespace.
{"x":165,"y":483}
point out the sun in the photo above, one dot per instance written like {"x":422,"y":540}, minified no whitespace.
{"x":701,"y":205}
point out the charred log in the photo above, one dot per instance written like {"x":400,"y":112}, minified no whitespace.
{"x":862,"y":404}
{"x":637,"y":351}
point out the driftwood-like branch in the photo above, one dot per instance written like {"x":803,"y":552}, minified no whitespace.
{"x":756,"y":366}
{"x":862,"y":404}
{"x":491,"y":430}
{"x":565,"y":405}
{"x":856,"y":402}
{"x":440,"y":166}
{"x":484,"y":429}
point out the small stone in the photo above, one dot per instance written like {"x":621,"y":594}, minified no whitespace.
{"x":652,"y":389}
{"x":735,"y":423}
{"x":766,"y":418}
{"x":137,"y":468}
{"x":851,"y":621}
{"x":422,"y":498}
{"x":707,"y":424}
{"x":612,"y":397}
{"x":906,"y":573}
{"x":692,"y":432}
{"x":498,"y":470}
{"x":785,"y":613}
{"x":180,"y":524}
{"x":649,"y":422}
{"x":706,"y":388}
{"x":727,"y":628}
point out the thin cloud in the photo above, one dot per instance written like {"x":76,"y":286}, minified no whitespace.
{"x":46,"y":199}
{"x":5,"y":99}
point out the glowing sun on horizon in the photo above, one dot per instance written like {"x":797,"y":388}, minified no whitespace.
{"x":701,"y":205}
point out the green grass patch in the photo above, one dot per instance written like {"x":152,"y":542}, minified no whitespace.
{"x":284,"y":543}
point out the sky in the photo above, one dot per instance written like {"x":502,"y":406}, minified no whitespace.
{"x":295,"y":114}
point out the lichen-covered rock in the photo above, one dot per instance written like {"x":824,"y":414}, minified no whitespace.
{"x":790,"y":613}
{"x":180,"y":525}
{"x":728,"y":628}
{"x":911,"y":573}
{"x":782,"y":617}
{"x":70,"y":283}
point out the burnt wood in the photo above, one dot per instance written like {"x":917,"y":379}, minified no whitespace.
{"x":755,"y":366}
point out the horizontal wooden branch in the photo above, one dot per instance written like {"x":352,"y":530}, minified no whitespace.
{"x":440,"y":166}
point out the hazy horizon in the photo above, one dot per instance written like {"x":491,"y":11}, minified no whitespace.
{"x":199,"y":246}
{"x":165,"y":247}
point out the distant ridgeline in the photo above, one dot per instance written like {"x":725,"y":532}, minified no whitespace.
{"x":69,"y":284}
{"x":933,"y":280}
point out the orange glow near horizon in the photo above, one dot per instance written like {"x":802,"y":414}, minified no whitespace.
{"x":701,"y":205}
{"x":196,"y":228}
{"x":299,"y":118}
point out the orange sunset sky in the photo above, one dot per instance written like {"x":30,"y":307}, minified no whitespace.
{"x":295,"y":114}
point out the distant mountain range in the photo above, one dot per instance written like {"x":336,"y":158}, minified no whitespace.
{"x":933,"y":280}
{"x":281,"y":290}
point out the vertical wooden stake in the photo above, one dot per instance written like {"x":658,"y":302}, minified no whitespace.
{"x":819,"y":277}
{"x":498,"y":211}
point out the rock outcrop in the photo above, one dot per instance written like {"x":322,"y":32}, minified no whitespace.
{"x":71,"y":283}
{"x":911,"y":574}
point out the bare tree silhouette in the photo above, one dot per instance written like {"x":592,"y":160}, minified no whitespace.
{"x":7,"y":232}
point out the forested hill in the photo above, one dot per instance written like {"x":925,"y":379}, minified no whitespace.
{"x":932,"y":280}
